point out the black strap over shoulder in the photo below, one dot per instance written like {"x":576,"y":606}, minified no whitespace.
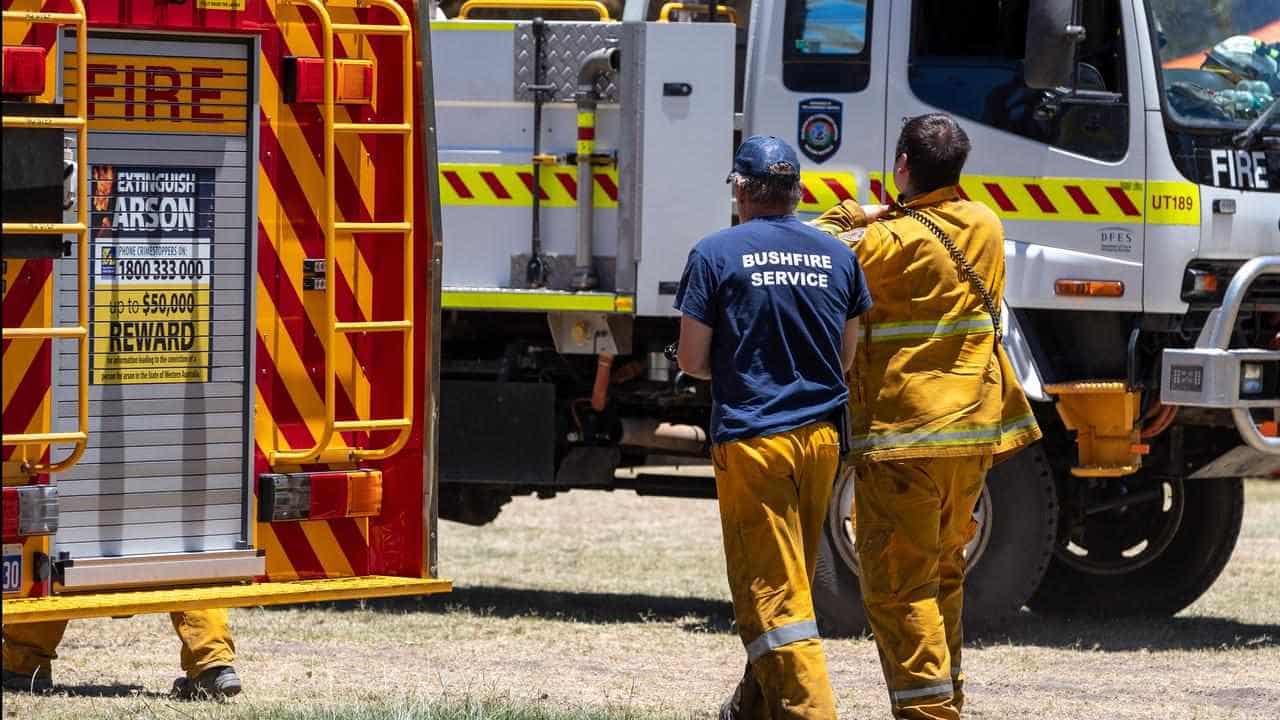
{"x":965,"y":267}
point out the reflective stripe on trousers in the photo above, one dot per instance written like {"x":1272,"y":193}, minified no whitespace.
{"x":779,"y":636}
{"x":953,"y":436}
{"x":942,"y":688}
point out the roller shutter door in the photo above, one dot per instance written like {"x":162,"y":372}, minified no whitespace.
{"x":171,"y":154}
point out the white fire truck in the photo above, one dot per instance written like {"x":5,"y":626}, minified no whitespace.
{"x":1132,"y":150}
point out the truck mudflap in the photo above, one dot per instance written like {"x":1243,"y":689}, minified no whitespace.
{"x":118,"y":604}
{"x":1213,"y":375}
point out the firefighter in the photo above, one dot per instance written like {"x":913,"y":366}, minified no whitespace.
{"x":207,"y":654}
{"x":934,"y":403}
{"x":769,"y":315}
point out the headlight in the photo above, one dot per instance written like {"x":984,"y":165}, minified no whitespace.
{"x":1252,"y":377}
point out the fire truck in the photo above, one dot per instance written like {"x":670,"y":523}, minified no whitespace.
{"x":1131,"y":149}
{"x":221,"y":305}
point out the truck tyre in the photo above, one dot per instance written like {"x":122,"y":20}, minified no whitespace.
{"x":1017,"y":524}
{"x":472,"y":504}
{"x":1201,"y":544}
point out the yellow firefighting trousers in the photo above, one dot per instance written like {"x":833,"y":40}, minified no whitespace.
{"x":206,"y":642}
{"x":773,"y":500}
{"x":913,"y":518}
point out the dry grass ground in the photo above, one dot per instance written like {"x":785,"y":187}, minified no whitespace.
{"x":598,"y":604}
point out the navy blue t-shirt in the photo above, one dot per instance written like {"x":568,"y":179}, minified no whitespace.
{"x":776,"y":294}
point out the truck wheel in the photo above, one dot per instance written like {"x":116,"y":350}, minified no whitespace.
{"x":1152,"y":557}
{"x":472,"y":504}
{"x":1017,"y":522}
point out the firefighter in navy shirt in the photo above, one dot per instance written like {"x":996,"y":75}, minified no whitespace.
{"x":769,"y":315}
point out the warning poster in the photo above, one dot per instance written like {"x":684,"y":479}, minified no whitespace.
{"x":152,"y":274}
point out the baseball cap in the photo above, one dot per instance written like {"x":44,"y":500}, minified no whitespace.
{"x":766,"y":155}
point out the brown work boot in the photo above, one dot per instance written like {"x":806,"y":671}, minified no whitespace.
{"x":219,"y":683}
{"x":40,"y":681}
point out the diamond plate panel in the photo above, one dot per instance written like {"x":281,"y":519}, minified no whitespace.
{"x":564,"y":45}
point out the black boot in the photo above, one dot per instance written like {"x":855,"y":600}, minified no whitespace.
{"x":217,"y":683}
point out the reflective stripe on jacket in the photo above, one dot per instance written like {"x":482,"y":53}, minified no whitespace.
{"x":930,"y":380}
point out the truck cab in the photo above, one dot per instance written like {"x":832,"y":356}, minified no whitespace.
{"x":1130,"y":150}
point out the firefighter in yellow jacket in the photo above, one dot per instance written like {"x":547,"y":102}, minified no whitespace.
{"x":934,"y":403}
{"x":207,"y":654}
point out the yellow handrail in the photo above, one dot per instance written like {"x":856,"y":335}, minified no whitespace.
{"x":333,"y":327}
{"x":602,"y":12}
{"x":80,"y":331}
{"x":664,"y":15}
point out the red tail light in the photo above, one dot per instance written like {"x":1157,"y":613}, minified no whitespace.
{"x":308,"y":80}
{"x":23,"y":70}
{"x":304,"y":81}
{"x":319,"y":495}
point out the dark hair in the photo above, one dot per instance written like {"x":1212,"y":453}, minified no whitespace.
{"x":936,"y":148}
{"x":772,"y":191}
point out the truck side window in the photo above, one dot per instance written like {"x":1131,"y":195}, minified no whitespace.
{"x":966,"y":58}
{"x":826,"y":45}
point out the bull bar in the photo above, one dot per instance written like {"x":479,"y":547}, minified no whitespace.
{"x":1213,"y":375}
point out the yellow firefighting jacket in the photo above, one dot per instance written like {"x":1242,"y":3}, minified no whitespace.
{"x":930,"y":380}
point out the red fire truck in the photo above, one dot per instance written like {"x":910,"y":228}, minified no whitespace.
{"x":221,"y":293}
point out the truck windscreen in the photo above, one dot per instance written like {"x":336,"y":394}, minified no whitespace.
{"x":1220,"y":61}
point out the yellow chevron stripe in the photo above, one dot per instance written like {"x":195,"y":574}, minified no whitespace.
{"x":325,"y":545}
{"x":14,"y":31}
{"x":292,"y":371}
{"x":278,"y":565}
{"x":17,"y":361}
{"x":824,"y":197}
{"x":472,"y":177}
{"x":1065,"y":197}
{"x":20,"y":354}
{"x":280,"y":233}
{"x":40,"y":421}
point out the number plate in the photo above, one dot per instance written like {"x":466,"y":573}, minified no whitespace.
{"x":1186,"y":378}
{"x":12,"y":568}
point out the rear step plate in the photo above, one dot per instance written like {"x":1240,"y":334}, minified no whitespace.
{"x":116,"y":604}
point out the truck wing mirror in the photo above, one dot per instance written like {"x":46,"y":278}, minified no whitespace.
{"x":1053,"y":30}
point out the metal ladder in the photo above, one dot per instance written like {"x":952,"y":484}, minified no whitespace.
{"x":320,"y":450}
{"x":80,"y":331}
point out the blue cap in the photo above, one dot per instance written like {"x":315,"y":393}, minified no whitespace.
{"x":764,"y":156}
